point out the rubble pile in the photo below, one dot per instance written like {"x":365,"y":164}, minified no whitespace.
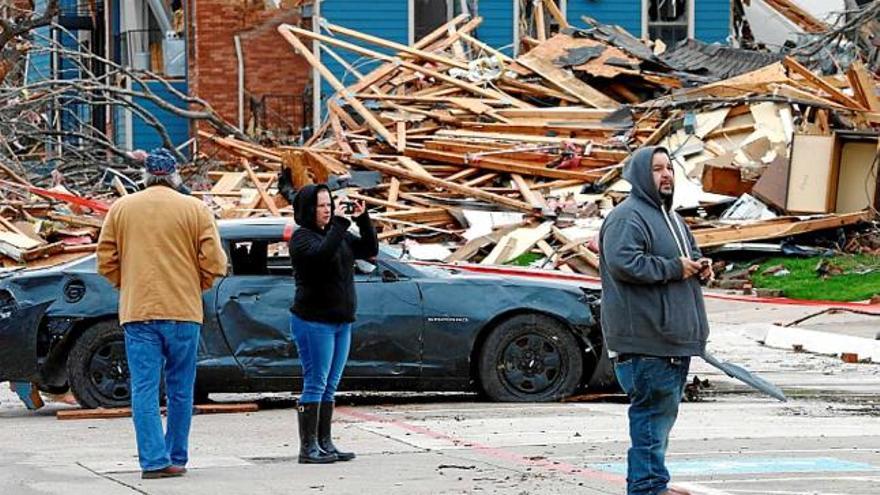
{"x":465,"y":154}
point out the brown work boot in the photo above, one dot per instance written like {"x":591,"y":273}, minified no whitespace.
{"x":168,"y":472}
{"x":675,"y":491}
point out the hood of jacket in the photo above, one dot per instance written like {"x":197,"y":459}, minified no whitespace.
{"x":305,"y":206}
{"x":638,"y":172}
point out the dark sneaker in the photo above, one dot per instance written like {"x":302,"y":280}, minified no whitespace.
{"x":169,"y":472}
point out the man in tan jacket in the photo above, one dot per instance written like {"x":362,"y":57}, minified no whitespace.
{"x":161,"y":249}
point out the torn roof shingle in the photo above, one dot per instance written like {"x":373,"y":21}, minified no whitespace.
{"x":716,"y":61}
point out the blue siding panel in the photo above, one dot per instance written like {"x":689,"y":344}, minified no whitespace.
{"x":712,"y":20}
{"x":497,"y":27}
{"x":145,"y":137}
{"x":624,"y":13}
{"x":383,"y":18}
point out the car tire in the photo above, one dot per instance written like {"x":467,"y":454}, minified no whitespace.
{"x":97,"y":368}
{"x":530,"y":358}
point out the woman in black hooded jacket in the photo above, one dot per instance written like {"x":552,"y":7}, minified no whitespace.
{"x":322,"y":253}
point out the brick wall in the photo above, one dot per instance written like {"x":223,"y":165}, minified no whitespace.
{"x":270,"y":65}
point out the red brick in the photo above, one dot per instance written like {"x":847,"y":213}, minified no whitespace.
{"x":270,"y":66}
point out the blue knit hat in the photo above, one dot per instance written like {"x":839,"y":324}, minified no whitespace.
{"x":160,"y":162}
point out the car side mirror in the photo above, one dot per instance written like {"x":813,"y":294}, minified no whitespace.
{"x":389,"y":276}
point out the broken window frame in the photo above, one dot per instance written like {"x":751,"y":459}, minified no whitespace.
{"x":452,"y":8}
{"x":647,"y":23}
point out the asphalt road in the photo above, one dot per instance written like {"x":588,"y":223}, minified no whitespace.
{"x":824,"y":441}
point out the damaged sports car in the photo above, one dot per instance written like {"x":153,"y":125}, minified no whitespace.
{"x":419,"y":328}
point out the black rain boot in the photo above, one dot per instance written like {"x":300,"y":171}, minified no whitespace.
{"x":325,"y":421}
{"x":309,"y":451}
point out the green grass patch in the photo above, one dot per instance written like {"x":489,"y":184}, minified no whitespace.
{"x":805,"y":283}
{"x":525,"y":259}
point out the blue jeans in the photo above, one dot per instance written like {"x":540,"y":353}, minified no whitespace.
{"x":655,"y":386}
{"x":151,"y":347}
{"x":323,"y":351}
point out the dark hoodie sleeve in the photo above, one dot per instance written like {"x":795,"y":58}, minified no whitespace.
{"x":367,"y":245}
{"x":311,"y":247}
{"x":625,"y":253}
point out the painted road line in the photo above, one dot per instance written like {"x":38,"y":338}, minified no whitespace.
{"x":489,"y":451}
{"x":769,"y":465}
{"x":699,"y":489}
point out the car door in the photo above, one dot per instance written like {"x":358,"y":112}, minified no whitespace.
{"x":387,"y":335}
{"x":253,"y":308}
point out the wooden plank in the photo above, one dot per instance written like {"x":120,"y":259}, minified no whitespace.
{"x":863,"y":86}
{"x":414,"y":52}
{"x":418,"y":215}
{"x":261,"y":189}
{"x":287,"y":31}
{"x":517,"y":243}
{"x":776,"y":228}
{"x":125,"y":412}
{"x":402,"y":173}
{"x":566,"y":81}
{"x":531,"y":197}
{"x":393,"y":191}
{"x":817,"y":82}
{"x":401,"y":137}
{"x":413,"y":166}
{"x":556,"y":13}
{"x":82,"y":221}
{"x":16,"y":245}
{"x":585,"y":254}
{"x":540,"y":26}
{"x":497,"y":164}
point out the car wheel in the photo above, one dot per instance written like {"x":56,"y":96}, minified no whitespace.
{"x":97,"y":367}
{"x":530,"y":358}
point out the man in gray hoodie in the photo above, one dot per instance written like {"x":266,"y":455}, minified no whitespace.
{"x":653,"y":316}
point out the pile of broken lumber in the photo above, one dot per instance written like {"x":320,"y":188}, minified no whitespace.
{"x":485,"y":157}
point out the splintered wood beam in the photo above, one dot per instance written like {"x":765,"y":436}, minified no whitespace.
{"x":585,"y":254}
{"x":463,"y":174}
{"x":863,"y":86}
{"x":540,"y":27}
{"x":533,"y":198}
{"x":413,"y":166}
{"x":778,"y":227}
{"x":293,"y":32}
{"x":261,"y":189}
{"x":819,"y":83}
{"x":393,"y":191}
{"x":451,"y":40}
{"x":481,"y":179}
{"x":371,"y":79}
{"x":428,"y":180}
{"x":566,"y":81}
{"x":415,"y":52}
{"x":379,"y":202}
{"x":556,"y":13}
{"x":509,"y":166}
{"x":401,"y":136}
{"x":287,"y":31}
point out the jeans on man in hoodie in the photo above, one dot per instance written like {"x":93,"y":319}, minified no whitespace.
{"x":655,"y":386}
{"x":323,"y":351}
{"x":151,"y":347}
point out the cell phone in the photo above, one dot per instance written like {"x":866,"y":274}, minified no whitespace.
{"x":348,"y":207}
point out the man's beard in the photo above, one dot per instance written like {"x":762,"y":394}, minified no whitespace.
{"x":666,"y":197}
